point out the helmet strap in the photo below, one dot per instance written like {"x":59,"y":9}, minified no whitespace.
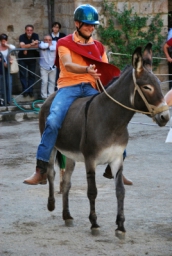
{"x":80,"y":33}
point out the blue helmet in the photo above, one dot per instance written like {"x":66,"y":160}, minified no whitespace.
{"x":86,"y":13}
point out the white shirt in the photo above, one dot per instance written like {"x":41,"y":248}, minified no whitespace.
{"x":57,"y":35}
{"x":5,"y":52}
{"x":47,"y":55}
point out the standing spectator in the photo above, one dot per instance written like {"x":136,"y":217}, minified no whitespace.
{"x":4,"y":49}
{"x":1,"y":80}
{"x":27,"y":59}
{"x":168,"y":49}
{"x":47,"y":67}
{"x":56,"y":35}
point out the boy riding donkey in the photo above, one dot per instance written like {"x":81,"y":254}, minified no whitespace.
{"x":82,"y":62}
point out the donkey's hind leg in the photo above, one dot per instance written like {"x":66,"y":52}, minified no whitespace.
{"x":61,"y":174}
{"x":61,"y":161}
{"x":70,"y":164}
{"x":51,"y":176}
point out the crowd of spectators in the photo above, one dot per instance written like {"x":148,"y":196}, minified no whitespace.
{"x":33,"y":49}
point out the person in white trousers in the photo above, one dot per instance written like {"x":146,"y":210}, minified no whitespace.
{"x":47,"y":67}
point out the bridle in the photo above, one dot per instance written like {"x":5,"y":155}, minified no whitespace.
{"x":152,"y":110}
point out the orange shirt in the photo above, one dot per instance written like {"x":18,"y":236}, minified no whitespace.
{"x":68,"y":78}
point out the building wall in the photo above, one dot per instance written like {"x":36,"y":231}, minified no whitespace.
{"x":15,"y":14}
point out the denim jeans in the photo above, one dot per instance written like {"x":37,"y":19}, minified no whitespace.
{"x":27,"y":80}
{"x":8,"y":87}
{"x":59,"y":107}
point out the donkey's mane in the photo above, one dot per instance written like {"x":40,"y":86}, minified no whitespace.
{"x":115,"y":79}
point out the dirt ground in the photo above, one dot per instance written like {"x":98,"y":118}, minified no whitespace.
{"x":28,"y":228}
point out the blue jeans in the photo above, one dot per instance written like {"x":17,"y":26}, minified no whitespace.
{"x":25,"y":80}
{"x":59,"y":107}
{"x":8,"y":87}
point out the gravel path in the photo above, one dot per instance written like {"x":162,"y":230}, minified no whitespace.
{"x":28,"y":228}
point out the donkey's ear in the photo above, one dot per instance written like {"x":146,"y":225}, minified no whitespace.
{"x":147,"y":56}
{"x":137,"y":60}
{"x":148,"y":48}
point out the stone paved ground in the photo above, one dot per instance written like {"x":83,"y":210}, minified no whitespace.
{"x":28,"y":228}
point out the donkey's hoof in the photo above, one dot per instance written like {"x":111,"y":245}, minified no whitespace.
{"x":51,"y":204}
{"x":95,"y":231}
{"x":69,"y":223}
{"x":120,"y":234}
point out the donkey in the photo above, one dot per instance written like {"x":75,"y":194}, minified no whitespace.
{"x":95,"y":131}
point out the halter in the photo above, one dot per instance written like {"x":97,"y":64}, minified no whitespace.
{"x":153,"y":110}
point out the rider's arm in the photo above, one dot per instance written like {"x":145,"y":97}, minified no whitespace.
{"x":70,"y":66}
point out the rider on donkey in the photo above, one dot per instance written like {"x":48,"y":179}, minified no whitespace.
{"x":82,"y":61}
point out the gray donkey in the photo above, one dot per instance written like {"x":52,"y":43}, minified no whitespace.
{"x":95,"y":131}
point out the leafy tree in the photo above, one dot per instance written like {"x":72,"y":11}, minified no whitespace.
{"x":133,"y":31}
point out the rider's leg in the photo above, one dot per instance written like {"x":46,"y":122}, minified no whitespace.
{"x":60,"y":105}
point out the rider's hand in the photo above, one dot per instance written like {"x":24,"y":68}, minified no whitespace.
{"x":93,"y":71}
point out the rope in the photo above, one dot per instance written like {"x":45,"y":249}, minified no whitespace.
{"x":132,"y":109}
{"x":152,"y":109}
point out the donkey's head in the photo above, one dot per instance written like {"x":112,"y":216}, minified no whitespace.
{"x":147,"y":94}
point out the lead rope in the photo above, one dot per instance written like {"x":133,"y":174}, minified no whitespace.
{"x":150,"y":107}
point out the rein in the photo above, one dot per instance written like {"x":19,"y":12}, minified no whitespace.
{"x":153,"y":110}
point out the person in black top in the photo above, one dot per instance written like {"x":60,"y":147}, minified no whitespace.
{"x":27,"y":59}
{"x":56,"y":35}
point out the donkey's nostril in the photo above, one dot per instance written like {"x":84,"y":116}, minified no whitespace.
{"x":162,"y":117}
{"x":165,"y":117}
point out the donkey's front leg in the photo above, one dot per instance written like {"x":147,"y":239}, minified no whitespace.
{"x":92,"y":194}
{"x":120,"y":194}
{"x":51,"y":176}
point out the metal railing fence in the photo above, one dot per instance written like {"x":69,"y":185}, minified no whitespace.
{"x":16,"y":50}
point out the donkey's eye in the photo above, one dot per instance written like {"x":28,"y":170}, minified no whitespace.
{"x":146,"y":87}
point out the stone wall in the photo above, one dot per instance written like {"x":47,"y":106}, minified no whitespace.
{"x":15,"y":14}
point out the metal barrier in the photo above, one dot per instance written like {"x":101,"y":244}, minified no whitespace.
{"x":9,"y":75}
{"x":39,"y":78}
{"x":123,"y":54}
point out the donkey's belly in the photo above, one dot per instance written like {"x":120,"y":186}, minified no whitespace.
{"x":77,"y":157}
{"x":109,"y":154}
{"x":106,"y":155}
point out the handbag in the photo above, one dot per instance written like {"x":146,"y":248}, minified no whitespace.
{"x":14,"y":67}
